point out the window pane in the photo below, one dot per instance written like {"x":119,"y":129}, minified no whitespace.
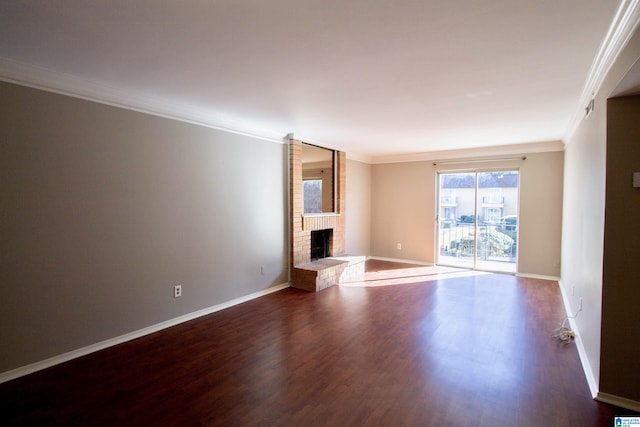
{"x":312,"y":189}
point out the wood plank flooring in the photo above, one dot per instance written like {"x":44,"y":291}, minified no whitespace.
{"x":434,"y":349}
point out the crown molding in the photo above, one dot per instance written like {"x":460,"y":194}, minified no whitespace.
{"x":350,"y":155}
{"x":65,"y":84}
{"x":470,"y":153}
{"x":358,"y":157}
{"x":624,"y":24}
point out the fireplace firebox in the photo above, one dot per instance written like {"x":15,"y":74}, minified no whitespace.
{"x":320,"y":244}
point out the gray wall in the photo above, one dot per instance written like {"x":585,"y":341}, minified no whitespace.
{"x":583,"y":220}
{"x":104,"y":210}
{"x":404,"y":209}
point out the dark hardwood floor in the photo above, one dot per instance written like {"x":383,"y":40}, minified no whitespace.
{"x":432,"y":350}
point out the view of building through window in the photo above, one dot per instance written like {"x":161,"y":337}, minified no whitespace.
{"x":478,"y":220}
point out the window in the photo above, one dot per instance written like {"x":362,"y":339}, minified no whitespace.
{"x":312,"y":195}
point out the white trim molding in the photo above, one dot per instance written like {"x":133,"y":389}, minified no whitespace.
{"x":65,"y":84}
{"x":624,"y":24}
{"x":406,"y":261}
{"x":359,"y":157}
{"x":471,"y":153}
{"x":582,"y":352}
{"x":538,"y":276}
{"x":56,"y":360}
{"x":622,"y":402}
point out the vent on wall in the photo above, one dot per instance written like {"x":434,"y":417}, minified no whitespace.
{"x":589,"y":109}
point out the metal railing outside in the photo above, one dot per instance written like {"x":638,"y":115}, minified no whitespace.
{"x":494,"y":243}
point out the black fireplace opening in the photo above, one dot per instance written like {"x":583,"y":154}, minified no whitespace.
{"x":320,"y":244}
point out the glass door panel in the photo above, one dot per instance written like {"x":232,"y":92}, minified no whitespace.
{"x":456,"y":219}
{"x":497,"y":225}
{"x":478,"y":220}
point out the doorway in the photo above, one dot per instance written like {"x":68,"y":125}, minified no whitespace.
{"x":477,"y":220}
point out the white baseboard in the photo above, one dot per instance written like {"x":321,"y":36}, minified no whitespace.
{"x":582,"y":353}
{"x":538,"y":276}
{"x":406,"y":261}
{"x":65,"y":357}
{"x":622,"y":402}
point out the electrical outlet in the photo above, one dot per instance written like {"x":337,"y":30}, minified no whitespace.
{"x":573,"y":290}
{"x":261,"y":271}
{"x":399,"y":246}
{"x":177,"y":291}
{"x":580,"y":305}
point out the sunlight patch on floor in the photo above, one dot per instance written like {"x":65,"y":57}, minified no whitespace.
{"x":404,"y":276}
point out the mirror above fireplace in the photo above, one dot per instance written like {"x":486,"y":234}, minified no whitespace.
{"x":318,"y":179}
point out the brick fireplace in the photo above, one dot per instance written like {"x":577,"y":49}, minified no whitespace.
{"x":324,"y":272}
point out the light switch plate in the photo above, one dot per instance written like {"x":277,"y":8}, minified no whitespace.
{"x":636,"y":180}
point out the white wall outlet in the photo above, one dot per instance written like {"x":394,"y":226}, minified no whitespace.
{"x":580,"y":305}
{"x":261,"y":270}
{"x":399,"y":246}
{"x":573,"y":290}
{"x":177,"y":291}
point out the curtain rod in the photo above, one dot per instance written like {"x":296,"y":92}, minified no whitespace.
{"x":453,"y":162}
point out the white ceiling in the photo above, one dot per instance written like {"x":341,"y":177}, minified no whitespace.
{"x":374,"y":78}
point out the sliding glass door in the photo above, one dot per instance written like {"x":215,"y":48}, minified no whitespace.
{"x":478,"y":220}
